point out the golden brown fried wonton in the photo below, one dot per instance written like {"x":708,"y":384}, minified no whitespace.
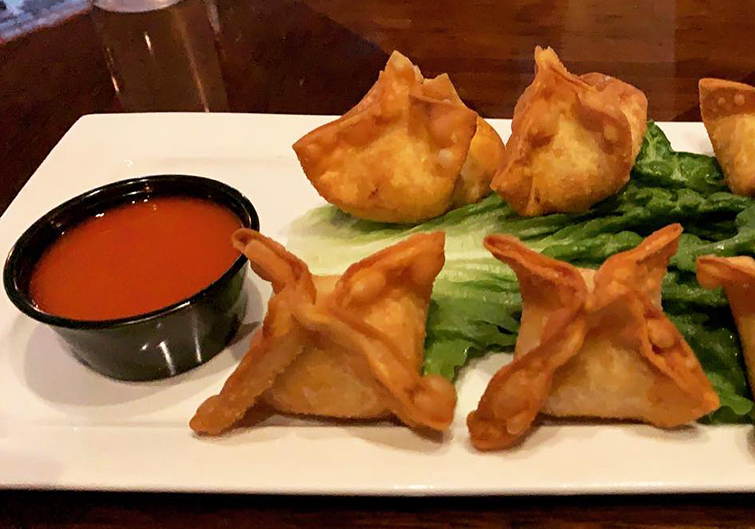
{"x":348,"y":346}
{"x":592,"y":344}
{"x":728,"y":111}
{"x":737,"y":276}
{"x":405,"y":153}
{"x":573,"y":140}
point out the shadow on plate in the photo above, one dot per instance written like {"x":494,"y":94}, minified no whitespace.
{"x":399,"y":437}
{"x":750,"y":441}
{"x":52,"y":372}
{"x":683,"y":433}
{"x":546,"y":429}
{"x":388,"y":432}
{"x":264,"y":424}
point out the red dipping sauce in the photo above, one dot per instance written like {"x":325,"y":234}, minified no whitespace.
{"x":135,"y":258}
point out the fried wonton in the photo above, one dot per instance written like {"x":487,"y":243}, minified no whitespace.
{"x":408,"y":151}
{"x":349,"y":346}
{"x":737,"y":276}
{"x":728,"y":111}
{"x":592,"y":344}
{"x":573,"y":140}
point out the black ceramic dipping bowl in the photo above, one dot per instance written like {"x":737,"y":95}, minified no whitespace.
{"x":157,"y":344}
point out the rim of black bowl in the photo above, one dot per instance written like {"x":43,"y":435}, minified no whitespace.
{"x":141,"y":186}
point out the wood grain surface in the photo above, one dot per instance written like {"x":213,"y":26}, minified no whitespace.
{"x":320,"y":56}
{"x":99,"y":509}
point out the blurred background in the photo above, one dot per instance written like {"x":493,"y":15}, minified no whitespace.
{"x":59,"y":61}
{"x":21,"y":16}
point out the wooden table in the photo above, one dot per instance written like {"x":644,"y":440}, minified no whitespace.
{"x":320,"y":56}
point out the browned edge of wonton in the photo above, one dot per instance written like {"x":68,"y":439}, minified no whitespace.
{"x":612,"y":111}
{"x":723,"y":104}
{"x":720,"y":98}
{"x":737,"y":277}
{"x":430,"y":111}
{"x":631,"y":100}
{"x":295,"y":319}
{"x":517,"y":392}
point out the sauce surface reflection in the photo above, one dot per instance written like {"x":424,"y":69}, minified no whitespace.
{"x":135,"y":258}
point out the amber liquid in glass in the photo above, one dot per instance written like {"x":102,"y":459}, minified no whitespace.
{"x":162,"y":59}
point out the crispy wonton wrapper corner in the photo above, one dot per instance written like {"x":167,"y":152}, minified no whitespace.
{"x":573,"y":140}
{"x":348,"y":346}
{"x":728,"y":112}
{"x":552,"y":330}
{"x":737,"y":277}
{"x":592,"y":344}
{"x":407,"y":152}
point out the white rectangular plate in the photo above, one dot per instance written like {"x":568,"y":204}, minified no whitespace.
{"x":63,"y":426}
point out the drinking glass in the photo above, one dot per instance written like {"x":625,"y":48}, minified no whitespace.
{"x":161,"y":54}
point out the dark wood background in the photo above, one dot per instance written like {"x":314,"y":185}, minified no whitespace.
{"x":97,"y":509}
{"x":320,"y":56}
